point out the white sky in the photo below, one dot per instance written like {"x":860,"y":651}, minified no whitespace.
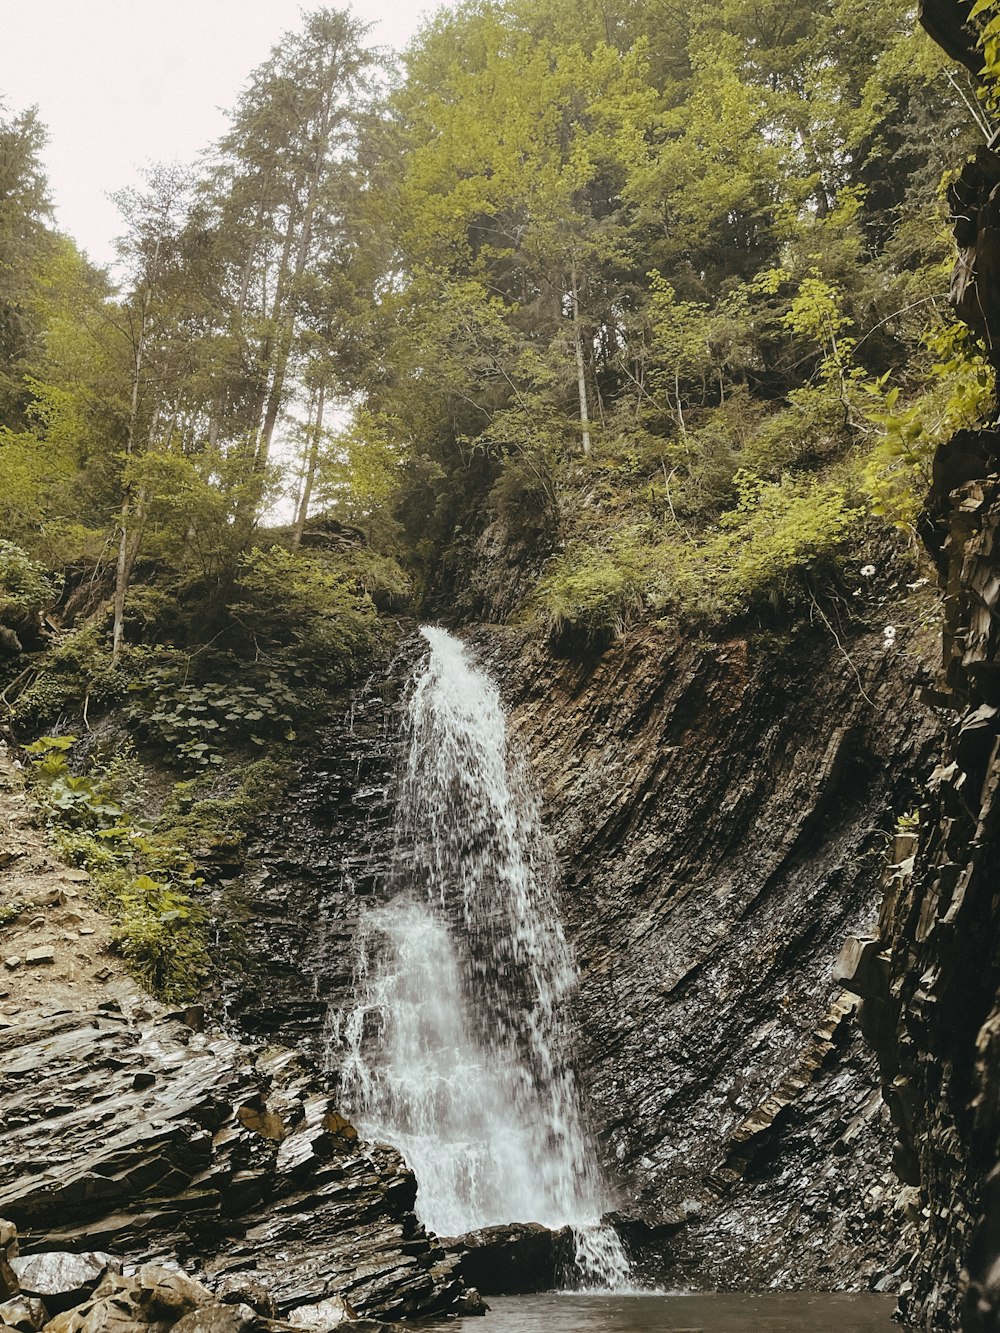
{"x":121,"y":83}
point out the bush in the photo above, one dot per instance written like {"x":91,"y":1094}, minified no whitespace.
{"x":160,"y":932}
{"x":776,"y":531}
{"x":75,"y":674}
{"x":26,"y":588}
{"x":811,"y":429}
{"x":306,"y":614}
{"x":191,"y":720}
{"x":593,"y":590}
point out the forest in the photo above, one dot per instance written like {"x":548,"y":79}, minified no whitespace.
{"x":659,"y":296}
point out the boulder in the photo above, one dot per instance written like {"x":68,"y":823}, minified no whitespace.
{"x":144,"y":1152}
{"x":246,"y":1289}
{"x":60,"y":1278}
{"x":156,"y":1298}
{"x":25,"y":1313}
{"x":470,"y":1303}
{"x":643,"y":1228}
{"x":514,"y":1259}
{"x":165,"y":1293}
{"x":323,"y":1315}
{"x":219,"y":1319}
{"x":8,"y":1280}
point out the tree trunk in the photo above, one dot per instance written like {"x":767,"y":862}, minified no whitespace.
{"x":581,"y":365}
{"x":128,"y":547}
{"x":311,"y":464}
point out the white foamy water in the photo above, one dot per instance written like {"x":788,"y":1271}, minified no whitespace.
{"x":457,"y":1050}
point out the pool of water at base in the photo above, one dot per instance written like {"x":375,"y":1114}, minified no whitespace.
{"x":712,"y":1312}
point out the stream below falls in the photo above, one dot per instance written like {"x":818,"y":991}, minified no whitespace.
{"x":714,"y":1312}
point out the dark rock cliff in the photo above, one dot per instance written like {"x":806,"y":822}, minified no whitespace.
{"x":125,"y":1130}
{"x":932,"y":996}
{"x":723,"y":817}
{"x":317,"y":860}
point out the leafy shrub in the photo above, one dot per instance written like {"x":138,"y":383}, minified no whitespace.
{"x":958,"y":388}
{"x":593,"y":590}
{"x":71,"y":798}
{"x":160,"y":932}
{"x":812,"y":427}
{"x":381,"y":577}
{"x":776,"y":530}
{"x":192,"y":720}
{"x":26,"y":588}
{"x":306,"y":614}
{"x":75,"y":675}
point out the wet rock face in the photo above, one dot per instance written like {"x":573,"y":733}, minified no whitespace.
{"x":721,"y":815}
{"x":932,"y":1011}
{"x":90,"y":1293}
{"x":932,"y":999}
{"x":146,"y":1139}
{"x":316,"y":862}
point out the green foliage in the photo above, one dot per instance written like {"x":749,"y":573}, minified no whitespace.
{"x":593,"y":590}
{"x":75,"y":675}
{"x":72,"y":799}
{"x":307,"y":615}
{"x":628,"y":268}
{"x":299,"y":626}
{"x":198,"y":815}
{"x":26,"y":589}
{"x":775,"y":533}
{"x":192,"y":721}
{"x":25,"y":586}
{"x":985,"y":16}
{"x":159,"y":931}
{"x":144,"y":880}
{"x":702,"y":234}
{"x":957,"y":387}
{"x":10,"y":912}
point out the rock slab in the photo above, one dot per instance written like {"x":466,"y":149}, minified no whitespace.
{"x":147,"y":1139}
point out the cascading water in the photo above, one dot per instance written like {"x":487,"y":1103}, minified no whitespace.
{"x":457,"y":1048}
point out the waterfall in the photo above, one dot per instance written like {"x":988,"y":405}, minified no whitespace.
{"x":457,"y":1049}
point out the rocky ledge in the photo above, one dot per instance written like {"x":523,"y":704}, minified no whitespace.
{"x":65,"y":1292}
{"x":127,"y":1130}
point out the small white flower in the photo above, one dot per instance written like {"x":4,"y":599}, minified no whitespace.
{"x":867,"y":571}
{"x":889,"y":635}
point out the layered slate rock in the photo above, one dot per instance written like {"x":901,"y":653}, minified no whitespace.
{"x":66,"y":1292}
{"x":932,"y":994}
{"x":929,"y":970}
{"x":722,"y":813}
{"x":316,"y":862}
{"x":139,"y":1136}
